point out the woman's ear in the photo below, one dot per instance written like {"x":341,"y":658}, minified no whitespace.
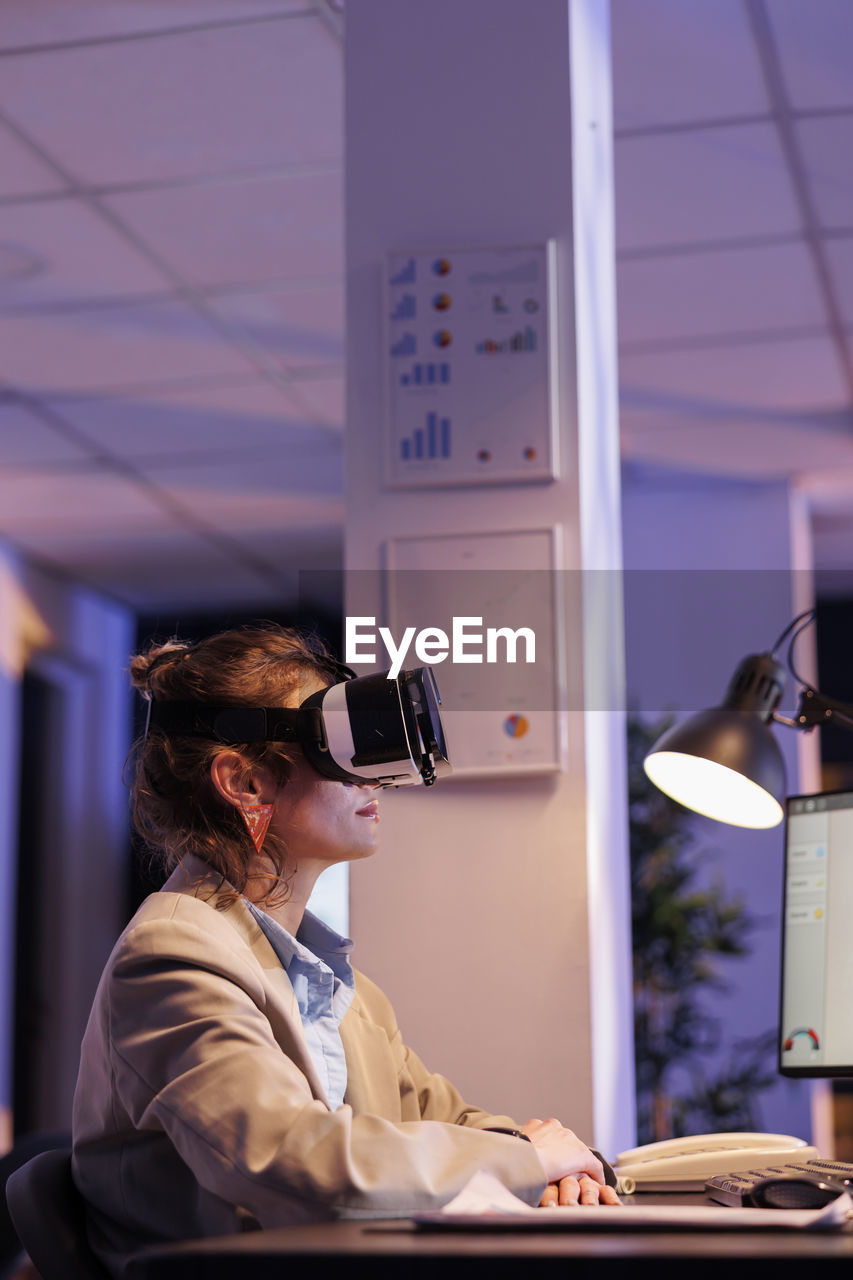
{"x":238,"y":783}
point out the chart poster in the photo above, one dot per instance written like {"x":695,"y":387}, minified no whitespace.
{"x":470,"y":369}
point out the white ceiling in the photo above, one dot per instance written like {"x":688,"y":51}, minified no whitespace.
{"x":734,"y":198}
{"x":171,"y":275}
{"x":171,"y":294}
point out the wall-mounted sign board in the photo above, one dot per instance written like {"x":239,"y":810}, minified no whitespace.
{"x":502,"y":716}
{"x":470,"y":368}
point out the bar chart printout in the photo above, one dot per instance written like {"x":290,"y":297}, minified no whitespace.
{"x":426,"y":375}
{"x":430,"y":441}
{"x":469,"y":340}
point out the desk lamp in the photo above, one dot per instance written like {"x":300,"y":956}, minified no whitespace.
{"x":724,"y":762}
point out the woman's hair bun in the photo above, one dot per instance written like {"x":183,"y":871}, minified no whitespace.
{"x":145,"y":665}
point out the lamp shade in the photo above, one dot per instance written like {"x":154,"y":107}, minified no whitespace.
{"x":724,"y":762}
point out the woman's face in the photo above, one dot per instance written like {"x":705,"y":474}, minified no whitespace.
{"x":323,"y":819}
{"x":319,"y":818}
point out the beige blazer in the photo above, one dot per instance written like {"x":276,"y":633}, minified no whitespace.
{"x":198,"y":1110}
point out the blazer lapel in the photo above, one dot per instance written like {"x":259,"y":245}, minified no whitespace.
{"x":372,"y":1085}
{"x":195,"y":877}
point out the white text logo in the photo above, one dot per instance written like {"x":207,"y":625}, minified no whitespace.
{"x":464,"y":644}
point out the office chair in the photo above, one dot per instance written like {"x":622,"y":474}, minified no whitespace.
{"x":26,"y":1146}
{"x":47,"y":1212}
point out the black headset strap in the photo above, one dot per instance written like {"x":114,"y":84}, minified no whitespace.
{"x":237,"y":724}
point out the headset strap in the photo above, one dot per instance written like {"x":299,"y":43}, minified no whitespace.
{"x":237,"y":724}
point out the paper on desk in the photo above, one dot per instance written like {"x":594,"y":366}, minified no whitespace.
{"x":486,"y":1202}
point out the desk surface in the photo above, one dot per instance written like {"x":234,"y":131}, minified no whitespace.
{"x":397,"y":1248}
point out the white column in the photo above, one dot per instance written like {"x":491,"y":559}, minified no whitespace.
{"x":496,"y":915}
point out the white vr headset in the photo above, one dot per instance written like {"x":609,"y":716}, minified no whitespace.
{"x":362,"y":729}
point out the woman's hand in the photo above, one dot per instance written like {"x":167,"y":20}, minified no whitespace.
{"x":574,"y":1174}
{"x":580,"y":1190}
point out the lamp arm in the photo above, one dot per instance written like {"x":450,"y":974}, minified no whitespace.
{"x":817,"y":708}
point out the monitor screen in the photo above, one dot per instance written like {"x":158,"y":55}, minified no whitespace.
{"x":816,"y":1018}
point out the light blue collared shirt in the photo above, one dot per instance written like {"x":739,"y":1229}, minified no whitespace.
{"x":317,"y":963}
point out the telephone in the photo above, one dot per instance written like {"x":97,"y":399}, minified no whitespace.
{"x":685,"y":1164}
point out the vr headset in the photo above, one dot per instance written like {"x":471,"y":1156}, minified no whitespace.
{"x":362,"y":729}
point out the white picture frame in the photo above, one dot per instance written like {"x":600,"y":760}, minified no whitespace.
{"x":502,"y":719}
{"x":482,"y":408}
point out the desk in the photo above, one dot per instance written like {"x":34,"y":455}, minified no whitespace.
{"x":395,"y":1249}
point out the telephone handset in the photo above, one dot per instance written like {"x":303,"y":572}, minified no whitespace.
{"x":685,"y":1164}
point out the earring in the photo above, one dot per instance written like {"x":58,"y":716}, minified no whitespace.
{"x":257,"y":819}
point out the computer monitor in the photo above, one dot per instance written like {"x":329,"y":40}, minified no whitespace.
{"x":816,"y":1007}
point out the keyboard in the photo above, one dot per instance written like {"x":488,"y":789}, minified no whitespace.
{"x":732,"y":1188}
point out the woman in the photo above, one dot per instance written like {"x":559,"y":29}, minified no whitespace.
{"x":235,"y":1070}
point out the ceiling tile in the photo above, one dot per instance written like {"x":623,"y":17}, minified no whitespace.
{"x":761,"y":450}
{"x":186,"y":426}
{"x":692,"y":294}
{"x":252,"y":491}
{"x":711,"y":184}
{"x":718,"y":383}
{"x":156,"y":566}
{"x":27,"y":441}
{"x":247,"y":509}
{"x":675,"y":62}
{"x":299,"y":327}
{"x":76,"y":256}
{"x":814,"y":41}
{"x":62,"y":502}
{"x":199,"y":103}
{"x":839,"y":254}
{"x":325,"y":397}
{"x":28,"y":22}
{"x":22,"y":173}
{"x":823,"y":142}
{"x":314,"y":553}
{"x":243,"y":233}
{"x":112,"y":346}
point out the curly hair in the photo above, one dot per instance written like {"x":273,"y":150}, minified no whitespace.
{"x":177,"y":808}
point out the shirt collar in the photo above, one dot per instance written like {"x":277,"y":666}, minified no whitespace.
{"x":315,"y":940}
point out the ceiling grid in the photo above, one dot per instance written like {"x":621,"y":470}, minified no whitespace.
{"x":734,"y":288}
{"x":172,"y":275}
{"x":191,"y":484}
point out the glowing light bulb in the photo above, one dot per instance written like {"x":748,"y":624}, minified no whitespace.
{"x":712,"y":789}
